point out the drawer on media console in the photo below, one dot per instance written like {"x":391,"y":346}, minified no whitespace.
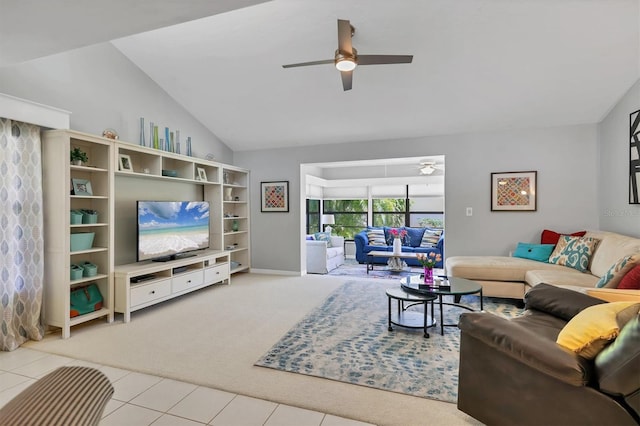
{"x":216,"y":273}
{"x":144,"y":293}
{"x":187,"y":280}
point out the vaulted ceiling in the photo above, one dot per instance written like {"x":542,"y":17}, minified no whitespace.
{"x":478,"y":65}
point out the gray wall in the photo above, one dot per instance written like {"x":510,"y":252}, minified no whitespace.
{"x":561,"y":156}
{"x":103,"y":89}
{"x":615,"y":213}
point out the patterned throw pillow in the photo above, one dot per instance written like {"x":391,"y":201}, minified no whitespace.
{"x":430,"y":237}
{"x":376,"y":237}
{"x":574,"y":252}
{"x":618,"y":270}
{"x":631,"y":280}
{"x":323,"y":236}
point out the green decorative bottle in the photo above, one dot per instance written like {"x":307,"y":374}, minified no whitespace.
{"x":234,"y":226}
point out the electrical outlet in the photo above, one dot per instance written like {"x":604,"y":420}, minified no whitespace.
{"x":469,"y":211}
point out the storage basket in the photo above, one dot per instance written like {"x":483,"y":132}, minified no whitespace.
{"x":75,"y":217}
{"x":82,"y":241}
{"x":89,"y":216}
{"x":90,"y":270}
{"x":76,"y":272}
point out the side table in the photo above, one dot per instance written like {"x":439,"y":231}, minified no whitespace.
{"x":410,"y":319}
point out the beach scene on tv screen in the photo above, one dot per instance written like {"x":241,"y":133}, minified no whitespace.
{"x":167,"y":228}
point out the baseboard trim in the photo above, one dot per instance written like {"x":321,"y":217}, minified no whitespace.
{"x":275,"y":272}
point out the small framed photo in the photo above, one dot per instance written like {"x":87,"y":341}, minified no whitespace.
{"x":81,"y":187}
{"x":202,"y":174}
{"x":513,"y":191}
{"x":124,"y":163}
{"x":274,"y":196}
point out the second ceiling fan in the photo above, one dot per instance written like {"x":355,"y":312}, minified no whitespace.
{"x":347,"y":58}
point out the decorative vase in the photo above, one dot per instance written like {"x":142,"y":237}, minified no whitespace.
{"x":189,"y":146}
{"x":428,"y":275}
{"x":234,"y":226}
{"x":142,"y":142}
{"x":155,"y":138}
{"x":167,"y":138}
{"x":228,"y":194}
{"x":397,"y":246}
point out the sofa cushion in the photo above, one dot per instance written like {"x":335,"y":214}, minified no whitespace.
{"x":323,"y":236}
{"x":559,"y":276}
{"x":631,"y":280}
{"x":618,"y":270}
{"x":558,"y":302}
{"x":376,"y":237}
{"x":612,"y":247}
{"x":574,"y":252}
{"x":539,"y":252}
{"x":552,"y":237}
{"x":494,"y":268}
{"x":591,"y":330}
{"x":415,"y":236}
{"x":430,"y":237}
{"x":334,"y":251}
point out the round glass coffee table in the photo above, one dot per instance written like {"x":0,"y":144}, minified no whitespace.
{"x":446,"y":286}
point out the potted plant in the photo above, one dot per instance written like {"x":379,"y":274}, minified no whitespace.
{"x":78,"y":156}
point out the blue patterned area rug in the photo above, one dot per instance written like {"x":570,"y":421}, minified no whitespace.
{"x":352,"y":268}
{"x":346,"y":339}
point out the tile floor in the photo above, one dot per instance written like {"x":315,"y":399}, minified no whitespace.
{"x":141,"y":399}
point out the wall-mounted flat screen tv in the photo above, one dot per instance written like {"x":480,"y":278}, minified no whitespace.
{"x":169,"y":229}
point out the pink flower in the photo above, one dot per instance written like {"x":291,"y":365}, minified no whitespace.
{"x":398,"y":233}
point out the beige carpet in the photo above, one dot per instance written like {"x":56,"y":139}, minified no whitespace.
{"x":214,"y":336}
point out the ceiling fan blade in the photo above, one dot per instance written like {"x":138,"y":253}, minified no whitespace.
{"x":306,"y":64}
{"x":384,"y":59}
{"x":347,"y":79}
{"x":344,"y":36}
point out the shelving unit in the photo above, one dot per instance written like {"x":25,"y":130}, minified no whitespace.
{"x":235,"y":217}
{"x":143,"y":284}
{"x":149,"y":166}
{"x":59,"y":200}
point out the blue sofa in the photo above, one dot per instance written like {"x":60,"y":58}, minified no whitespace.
{"x":411,"y":244}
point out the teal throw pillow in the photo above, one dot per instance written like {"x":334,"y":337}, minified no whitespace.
{"x":539,"y":252}
{"x":574,"y":252}
{"x":323,"y":236}
{"x":618,"y":270}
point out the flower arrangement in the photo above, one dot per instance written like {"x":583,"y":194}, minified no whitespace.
{"x":429,"y":260}
{"x":398,"y":233}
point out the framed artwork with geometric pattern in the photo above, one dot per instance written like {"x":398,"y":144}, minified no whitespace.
{"x":513,"y":191}
{"x":274,"y":196}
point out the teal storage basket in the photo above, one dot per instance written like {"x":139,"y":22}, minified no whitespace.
{"x":82,"y":241}
{"x":75,"y":217}
{"x":76,"y":272}
{"x":89,"y":269}
{"x":89,"y":217}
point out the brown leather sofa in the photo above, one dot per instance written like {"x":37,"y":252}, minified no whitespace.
{"x":512,"y":371}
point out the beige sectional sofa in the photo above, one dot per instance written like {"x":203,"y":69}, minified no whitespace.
{"x":511,"y":277}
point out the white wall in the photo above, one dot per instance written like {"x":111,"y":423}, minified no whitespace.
{"x":615,"y":212}
{"x":103,"y":89}
{"x":561,"y":156}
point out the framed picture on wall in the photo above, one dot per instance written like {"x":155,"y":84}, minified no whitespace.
{"x":274,"y":196}
{"x":513,"y":191}
{"x":634,"y":157}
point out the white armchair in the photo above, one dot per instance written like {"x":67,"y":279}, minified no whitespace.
{"x":322,"y":259}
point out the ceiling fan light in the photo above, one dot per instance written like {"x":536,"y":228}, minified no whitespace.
{"x":345,"y":64}
{"x":427,"y":170}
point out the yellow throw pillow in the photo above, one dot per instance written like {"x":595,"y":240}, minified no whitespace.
{"x":593,"y":328}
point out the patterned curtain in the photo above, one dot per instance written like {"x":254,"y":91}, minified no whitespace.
{"x":21,"y":234}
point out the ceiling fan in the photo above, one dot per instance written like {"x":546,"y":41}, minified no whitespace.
{"x":347,"y":58}
{"x":428,"y":167}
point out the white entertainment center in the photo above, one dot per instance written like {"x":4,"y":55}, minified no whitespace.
{"x":127,"y":285}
